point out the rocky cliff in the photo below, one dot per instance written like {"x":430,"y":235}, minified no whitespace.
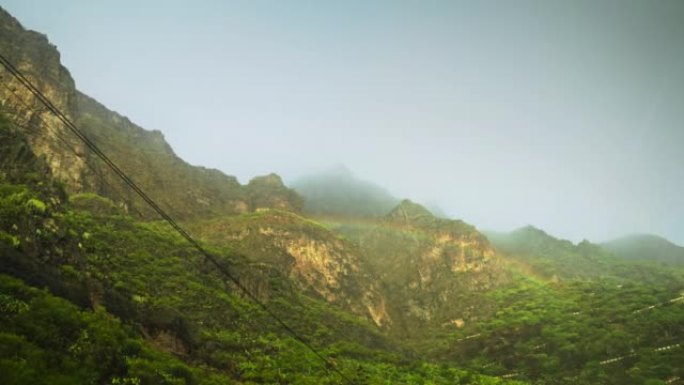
{"x":309,"y":254}
{"x":432,"y":269}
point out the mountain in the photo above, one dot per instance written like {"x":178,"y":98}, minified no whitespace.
{"x":646,"y":247}
{"x":183,"y":190}
{"x":337,"y":192}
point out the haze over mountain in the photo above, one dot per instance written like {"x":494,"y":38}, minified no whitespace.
{"x":337,"y":192}
{"x":566,"y":115}
{"x":646,"y":247}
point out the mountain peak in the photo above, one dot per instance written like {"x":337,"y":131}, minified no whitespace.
{"x":531,"y":230}
{"x":337,"y":192}
{"x":408,"y":210}
{"x":272,"y":179}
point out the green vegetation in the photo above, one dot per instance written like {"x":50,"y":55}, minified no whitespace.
{"x":566,"y":333}
{"x":48,"y":340}
{"x":588,"y":317}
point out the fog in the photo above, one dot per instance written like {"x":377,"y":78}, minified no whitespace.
{"x":565,"y":115}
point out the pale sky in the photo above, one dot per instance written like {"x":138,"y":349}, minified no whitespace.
{"x":568,"y":115}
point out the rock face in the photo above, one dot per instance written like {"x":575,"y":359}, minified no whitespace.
{"x":313,"y":257}
{"x":34,"y":56}
{"x":439,"y":244}
{"x":432,"y":269}
{"x":185,"y":191}
{"x":407,"y":213}
{"x":408,"y":272}
{"x":269,"y":191}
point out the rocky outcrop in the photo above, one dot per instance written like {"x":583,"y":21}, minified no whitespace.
{"x":432,"y":269}
{"x":316,"y":260}
{"x":36,"y":58}
{"x":408,"y":212}
{"x":269,"y":191}
{"x":436,"y":245}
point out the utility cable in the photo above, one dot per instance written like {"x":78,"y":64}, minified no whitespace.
{"x":163,"y":214}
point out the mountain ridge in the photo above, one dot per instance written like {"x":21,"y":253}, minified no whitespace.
{"x":185,"y":191}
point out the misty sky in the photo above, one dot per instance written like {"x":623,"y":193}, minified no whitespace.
{"x":568,"y":115}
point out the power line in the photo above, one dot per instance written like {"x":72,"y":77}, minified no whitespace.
{"x":633,"y":354}
{"x":121,"y":174}
{"x":679,"y":299}
{"x":606,"y":361}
